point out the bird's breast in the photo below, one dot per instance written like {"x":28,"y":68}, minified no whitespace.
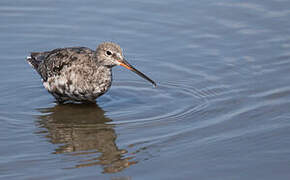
{"x":80,"y":82}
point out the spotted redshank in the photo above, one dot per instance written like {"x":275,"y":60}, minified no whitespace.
{"x":79,"y":74}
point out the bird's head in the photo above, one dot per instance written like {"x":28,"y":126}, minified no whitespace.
{"x":110,"y":54}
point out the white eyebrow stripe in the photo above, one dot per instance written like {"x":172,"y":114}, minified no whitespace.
{"x":119,"y":55}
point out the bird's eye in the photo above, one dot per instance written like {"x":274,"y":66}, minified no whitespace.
{"x":108,"y":53}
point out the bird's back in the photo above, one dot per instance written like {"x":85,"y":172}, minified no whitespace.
{"x":50,"y":63}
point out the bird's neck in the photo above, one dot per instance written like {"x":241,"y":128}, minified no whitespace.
{"x":104,"y":72}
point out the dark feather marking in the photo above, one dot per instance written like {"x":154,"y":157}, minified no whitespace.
{"x":55,"y":60}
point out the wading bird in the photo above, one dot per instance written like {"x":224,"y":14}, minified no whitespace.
{"x":79,"y":74}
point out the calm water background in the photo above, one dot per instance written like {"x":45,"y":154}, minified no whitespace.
{"x":221,"y":110}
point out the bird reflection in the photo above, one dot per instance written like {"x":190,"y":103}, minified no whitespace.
{"x":81,"y":130}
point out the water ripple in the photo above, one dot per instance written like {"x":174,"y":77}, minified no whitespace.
{"x":126,"y":101}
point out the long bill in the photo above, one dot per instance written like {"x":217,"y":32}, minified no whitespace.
{"x":125,"y":64}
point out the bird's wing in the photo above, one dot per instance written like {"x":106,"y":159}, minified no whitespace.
{"x":51,"y":63}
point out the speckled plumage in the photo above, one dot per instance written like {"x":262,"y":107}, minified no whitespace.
{"x":79,"y":73}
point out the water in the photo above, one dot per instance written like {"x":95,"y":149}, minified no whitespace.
{"x":220,"y":111}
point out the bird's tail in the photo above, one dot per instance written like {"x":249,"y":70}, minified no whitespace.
{"x":35,"y":59}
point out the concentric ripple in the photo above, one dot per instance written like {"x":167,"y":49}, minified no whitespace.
{"x":136,"y":102}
